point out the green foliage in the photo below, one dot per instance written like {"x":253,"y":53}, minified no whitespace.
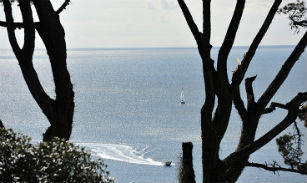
{"x":302,"y":115}
{"x":292,"y":155}
{"x":54,"y":161}
{"x":289,"y":146}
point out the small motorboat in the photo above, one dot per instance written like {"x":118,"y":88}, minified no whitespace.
{"x":167,"y":163}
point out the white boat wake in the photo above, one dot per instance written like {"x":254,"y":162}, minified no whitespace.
{"x":121,"y":152}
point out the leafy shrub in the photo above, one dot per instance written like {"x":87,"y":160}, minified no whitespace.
{"x":54,"y":161}
{"x":286,"y":147}
{"x":289,"y":146}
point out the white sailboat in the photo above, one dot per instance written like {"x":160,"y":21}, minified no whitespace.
{"x":182,"y":97}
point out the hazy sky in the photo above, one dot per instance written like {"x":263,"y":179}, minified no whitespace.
{"x":159,"y":23}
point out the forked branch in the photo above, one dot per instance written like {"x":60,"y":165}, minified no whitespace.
{"x":239,"y":75}
{"x":10,"y":27}
{"x":29,"y":30}
{"x":24,"y":55}
{"x":20,"y":25}
{"x":239,"y":104}
{"x":64,"y":5}
{"x":293,"y":110}
{"x":249,"y":90}
{"x":189,"y":19}
{"x":283,"y":73}
{"x":228,"y":41}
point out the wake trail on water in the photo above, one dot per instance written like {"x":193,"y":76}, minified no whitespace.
{"x":121,"y":152}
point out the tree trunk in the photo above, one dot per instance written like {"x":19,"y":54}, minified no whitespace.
{"x":186,"y":174}
{"x":53,"y":36}
{"x":1,"y":124}
{"x":59,"y":111}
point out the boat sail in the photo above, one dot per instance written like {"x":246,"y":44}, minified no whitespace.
{"x":182,"y":97}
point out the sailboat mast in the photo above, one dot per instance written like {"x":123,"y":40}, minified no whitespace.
{"x":182,"y":97}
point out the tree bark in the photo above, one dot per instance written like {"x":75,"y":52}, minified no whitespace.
{"x":53,"y":36}
{"x":1,"y":124}
{"x":186,"y":174}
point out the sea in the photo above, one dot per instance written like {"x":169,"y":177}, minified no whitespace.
{"x":128,"y":110}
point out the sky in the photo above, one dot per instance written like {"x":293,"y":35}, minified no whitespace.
{"x":158,"y":23}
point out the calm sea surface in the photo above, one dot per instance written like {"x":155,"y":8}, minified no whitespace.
{"x":128,"y":109}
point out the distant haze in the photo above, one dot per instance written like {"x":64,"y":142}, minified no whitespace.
{"x":159,"y":23}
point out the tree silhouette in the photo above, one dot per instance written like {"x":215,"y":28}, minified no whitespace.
{"x":296,"y":13}
{"x":215,"y":120}
{"x":59,"y":111}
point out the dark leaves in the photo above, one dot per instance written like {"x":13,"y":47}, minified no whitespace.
{"x":296,"y":13}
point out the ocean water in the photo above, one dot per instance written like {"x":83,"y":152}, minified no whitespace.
{"x":128,"y":110}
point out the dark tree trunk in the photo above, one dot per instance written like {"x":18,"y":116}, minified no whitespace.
{"x":53,"y":36}
{"x":59,"y":111}
{"x":1,"y":124}
{"x":186,"y":172}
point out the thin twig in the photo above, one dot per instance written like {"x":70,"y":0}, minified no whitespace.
{"x":20,"y":25}
{"x":275,"y":168}
{"x":64,"y":5}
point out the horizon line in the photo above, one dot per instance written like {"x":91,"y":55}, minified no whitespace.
{"x":153,"y":47}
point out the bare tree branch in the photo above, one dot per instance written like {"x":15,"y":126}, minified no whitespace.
{"x":24,"y":56}
{"x":10,"y":28}
{"x":189,"y":19}
{"x":222,"y":113}
{"x":293,"y":109}
{"x":273,"y":107}
{"x":206,"y":20}
{"x":17,"y":25}
{"x":239,"y":75}
{"x":228,"y":42}
{"x":279,"y":105}
{"x":302,"y":23}
{"x":223,"y":110}
{"x":64,"y":5}
{"x":268,"y":110}
{"x":208,"y":133}
{"x":20,"y":25}
{"x":250,"y":91}
{"x":203,"y":42}
{"x":275,"y":168}
{"x":29,"y":30}
{"x":283,"y":73}
{"x":239,"y":104}
{"x":299,"y":135}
